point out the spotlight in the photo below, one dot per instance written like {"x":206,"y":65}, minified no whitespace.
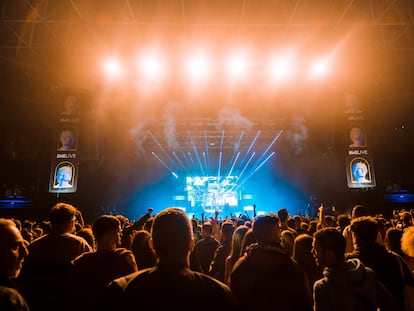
{"x":112,"y":68}
{"x":319,"y":69}
{"x":198,"y":67}
{"x":280,"y":69}
{"x":152,"y":65}
{"x":237,"y":65}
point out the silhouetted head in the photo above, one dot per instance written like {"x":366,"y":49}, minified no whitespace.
{"x":172,"y":235}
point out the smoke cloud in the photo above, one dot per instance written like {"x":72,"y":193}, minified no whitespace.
{"x":170,"y":127}
{"x":139,"y":135}
{"x":297,"y":134}
{"x":229,"y":116}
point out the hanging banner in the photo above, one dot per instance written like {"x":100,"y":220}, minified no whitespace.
{"x":65,"y":166}
{"x":359,"y":163}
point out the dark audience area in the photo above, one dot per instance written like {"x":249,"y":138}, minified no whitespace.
{"x":272,"y":260}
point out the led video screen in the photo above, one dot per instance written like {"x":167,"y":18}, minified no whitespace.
{"x":212,"y":191}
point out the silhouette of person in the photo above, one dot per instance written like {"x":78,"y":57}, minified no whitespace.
{"x":204,"y":249}
{"x":170,"y":283}
{"x":347,"y":284}
{"x":217,"y":266}
{"x":64,"y":176}
{"x":360,"y":171}
{"x":266,"y":273}
{"x":67,"y":140}
{"x":235,"y":251}
{"x":47,"y":267}
{"x":145,"y":256}
{"x":13,"y":251}
{"x":357,"y":137}
{"x":92,"y":271}
{"x":385,"y":264}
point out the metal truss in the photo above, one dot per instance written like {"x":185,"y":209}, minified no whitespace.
{"x":34,"y":32}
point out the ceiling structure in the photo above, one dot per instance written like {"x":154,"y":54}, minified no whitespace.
{"x":47,"y":45}
{"x":58,"y":41}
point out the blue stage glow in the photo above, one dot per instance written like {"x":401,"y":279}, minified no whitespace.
{"x":400,"y":197}
{"x":199,"y":195}
{"x":15,"y":203}
{"x":220,"y":172}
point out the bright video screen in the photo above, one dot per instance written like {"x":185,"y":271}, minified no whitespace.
{"x":212,"y":191}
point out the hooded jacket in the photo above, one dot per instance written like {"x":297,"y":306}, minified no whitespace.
{"x":351,"y":286}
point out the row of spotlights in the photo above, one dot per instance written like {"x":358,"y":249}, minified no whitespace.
{"x":199,"y":67}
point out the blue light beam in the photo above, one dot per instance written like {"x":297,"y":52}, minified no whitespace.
{"x":206,"y":154}
{"x":220,"y":154}
{"x":197,"y":156}
{"x":234,"y":163}
{"x":256,"y":169}
{"x":268,"y":147}
{"x":181,"y":163}
{"x":163,"y":150}
{"x":236,"y":148}
{"x":250,"y":148}
{"x":164,"y":164}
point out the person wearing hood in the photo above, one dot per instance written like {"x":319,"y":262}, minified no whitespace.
{"x":346,"y":284}
{"x":374,"y":255}
{"x":266,"y":276}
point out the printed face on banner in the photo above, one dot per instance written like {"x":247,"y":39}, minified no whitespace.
{"x":360,"y":173}
{"x":63,"y":176}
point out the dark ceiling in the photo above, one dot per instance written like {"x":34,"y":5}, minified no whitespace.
{"x":51,"y":45}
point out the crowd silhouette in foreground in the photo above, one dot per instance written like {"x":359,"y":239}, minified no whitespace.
{"x":168,"y":260}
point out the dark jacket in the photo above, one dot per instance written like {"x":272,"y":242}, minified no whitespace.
{"x":203,"y":253}
{"x":266,"y":277}
{"x":167,"y":287}
{"x":218,"y":264}
{"x":10,"y":298}
{"x":92,"y":272}
{"x":386,"y":267}
{"x":352,"y":286}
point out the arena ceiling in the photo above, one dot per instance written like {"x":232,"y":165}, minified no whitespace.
{"x":57,"y":42}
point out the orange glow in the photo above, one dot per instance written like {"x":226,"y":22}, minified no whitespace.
{"x":112,"y":68}
{"x":198,"y":67}
{"x":151,"y":65}
{"x":319,"y":69}
{"x":237,"y":65}
{"x":281,"y":69}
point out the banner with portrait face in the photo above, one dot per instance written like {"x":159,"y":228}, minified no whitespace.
{"x":67,"y":140}
{"x":360,"y":172}
{"x":65,"y":166}
{"x":64,"y":176}
{"x":359,"y":164}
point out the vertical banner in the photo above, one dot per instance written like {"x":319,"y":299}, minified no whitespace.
{"x":359,"y":163}
{"x":65,"y":166}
